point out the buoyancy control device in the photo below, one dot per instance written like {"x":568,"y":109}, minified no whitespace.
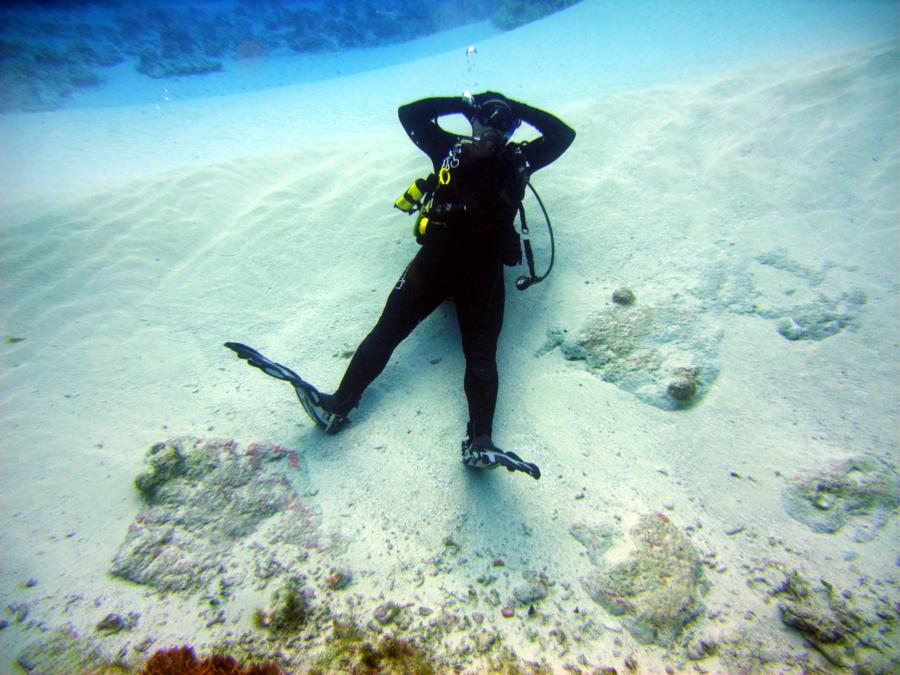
{"x":418,"y":200}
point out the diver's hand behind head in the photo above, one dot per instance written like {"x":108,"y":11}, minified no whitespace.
{"x":482,"y":98}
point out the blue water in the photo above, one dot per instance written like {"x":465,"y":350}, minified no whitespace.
{"x":648,"y":41}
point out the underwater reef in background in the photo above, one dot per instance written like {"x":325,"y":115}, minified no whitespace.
{"x":48,"y":52}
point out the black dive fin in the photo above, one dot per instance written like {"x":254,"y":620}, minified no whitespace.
{"x":309,"y":396}
{"x":490,"y":457}
{"x":269,"y":367}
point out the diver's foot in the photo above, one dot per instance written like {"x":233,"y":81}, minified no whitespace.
{"x":481,"y":453}
{"x":317,"y":407}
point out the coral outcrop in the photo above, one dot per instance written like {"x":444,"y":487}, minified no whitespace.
{"x":152,"y":64}
{"x":351,"y":652}
{"x":201,"y":497}
{"x":290,"y":609}
{"x":855,"y":628}
{"x":845,"y":634}
{"x":804,"y":302}
{"x":666,"y":352}
{"x":665,"y":356}
{"x":862,"y":491}
{"x":657,"y":589}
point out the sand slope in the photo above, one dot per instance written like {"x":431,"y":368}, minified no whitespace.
{"x":734,"y":198}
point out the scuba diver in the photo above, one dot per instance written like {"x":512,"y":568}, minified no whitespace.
{"x":465,"y":225}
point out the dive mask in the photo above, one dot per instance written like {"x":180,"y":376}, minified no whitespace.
{"x":496,"y":114}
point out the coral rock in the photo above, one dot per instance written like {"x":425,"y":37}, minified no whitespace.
{"x":386,"y":612}
{"x":842,"y":633}
{"x":202,"y":496}
{"x":535,"y":590}
{"x":339,"y":580}
{"x":684,"y":386}
{"x":643,"y":350}
{"x":623,"y":296}
{"x":115,"y":623}
{"x":291,"y":609}
{"x":862,"y":490}
{"x":658,"y":588}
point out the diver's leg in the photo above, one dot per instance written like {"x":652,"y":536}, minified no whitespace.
{"x":480,"y":298}
{"x":479,"y":303}
{"x":418,"y":292}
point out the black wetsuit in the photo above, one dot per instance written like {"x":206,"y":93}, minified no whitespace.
{"x":462,"y":252}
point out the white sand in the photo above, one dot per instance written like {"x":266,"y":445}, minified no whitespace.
{"x":125,"y":296}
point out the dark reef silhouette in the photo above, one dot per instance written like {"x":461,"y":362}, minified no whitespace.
{"x":49,"y":50}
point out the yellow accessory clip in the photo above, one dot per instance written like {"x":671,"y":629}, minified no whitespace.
{"x":421,"y":226}
{"x":444,"y":175}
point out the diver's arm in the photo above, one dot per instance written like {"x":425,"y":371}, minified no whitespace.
{"x":419,"y":119}
{"x":556,"y":135}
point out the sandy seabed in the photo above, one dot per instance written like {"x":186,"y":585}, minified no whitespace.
{"x":745,"y":200}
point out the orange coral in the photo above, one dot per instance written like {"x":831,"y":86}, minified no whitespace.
{"x":183,"y":661}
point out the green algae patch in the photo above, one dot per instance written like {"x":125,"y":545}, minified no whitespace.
{"x":350,"y":651}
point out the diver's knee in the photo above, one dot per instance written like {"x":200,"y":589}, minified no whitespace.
{"x":483,"y":369}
